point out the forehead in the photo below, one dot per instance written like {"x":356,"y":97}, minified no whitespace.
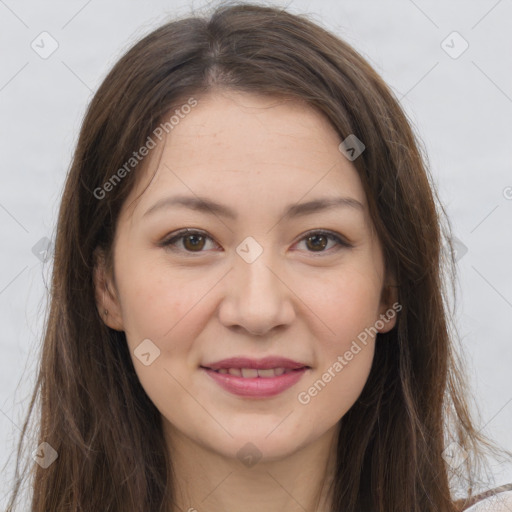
{"x":249,"y":150}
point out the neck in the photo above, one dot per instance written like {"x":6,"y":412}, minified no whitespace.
{"x":208,"y":480}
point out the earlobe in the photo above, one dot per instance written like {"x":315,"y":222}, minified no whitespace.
{"x":106,"y":298}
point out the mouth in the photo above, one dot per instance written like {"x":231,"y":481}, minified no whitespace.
{"x":252,"y":373}
{"x":256,"y":381}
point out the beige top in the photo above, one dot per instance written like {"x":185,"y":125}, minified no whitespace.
{"x":500,"y":502}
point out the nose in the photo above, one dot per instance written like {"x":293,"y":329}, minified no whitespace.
{"x":257,"y":298}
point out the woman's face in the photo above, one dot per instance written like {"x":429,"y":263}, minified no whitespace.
{"x":253,"y":279}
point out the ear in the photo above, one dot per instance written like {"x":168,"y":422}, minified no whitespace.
{"x":389,"y":307}
{"x":107,"y":300}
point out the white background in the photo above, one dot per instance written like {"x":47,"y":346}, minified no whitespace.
{"x":461,"y":108}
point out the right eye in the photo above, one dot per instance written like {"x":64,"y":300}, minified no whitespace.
{"x":191,"y":241}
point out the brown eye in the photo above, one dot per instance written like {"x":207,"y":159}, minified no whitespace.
{"x":316,"y":242}
{"x":187,"y":240}
{"x":193,"y":242}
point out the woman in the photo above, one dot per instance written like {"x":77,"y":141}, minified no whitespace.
{"x":247,"y":304}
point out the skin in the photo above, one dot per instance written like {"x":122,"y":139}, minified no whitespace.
{"x":255,"y":154}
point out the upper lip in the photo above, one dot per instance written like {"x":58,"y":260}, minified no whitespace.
{"x":262,"y":364}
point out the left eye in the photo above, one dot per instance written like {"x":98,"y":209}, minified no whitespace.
{"x":318,"y":240}
{"x":195,"y":241}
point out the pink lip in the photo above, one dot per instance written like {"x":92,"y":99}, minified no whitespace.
{"x":257,"y":387}
{"x":263,"y":364}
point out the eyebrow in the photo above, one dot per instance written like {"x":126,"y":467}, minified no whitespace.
{"x":205,"y":205}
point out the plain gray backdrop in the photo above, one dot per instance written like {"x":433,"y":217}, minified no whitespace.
{"x":449,"y":63}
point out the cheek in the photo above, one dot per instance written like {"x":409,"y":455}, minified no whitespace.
{"x":168,"y":308}
{"x":344,"y":364}
{"x":347,"y":309}
{"x":345,"y":305}
{"x":157,"y":303}
{"x":334,"y":389}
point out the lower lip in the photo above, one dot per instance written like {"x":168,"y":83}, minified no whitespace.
{"x":258,"y":386}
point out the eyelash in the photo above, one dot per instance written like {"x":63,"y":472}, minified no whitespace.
{"x":169,"y":242}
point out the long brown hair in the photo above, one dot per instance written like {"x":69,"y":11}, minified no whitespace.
{"x":92,"y":409}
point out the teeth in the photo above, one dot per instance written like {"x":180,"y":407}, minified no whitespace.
{"x":251,"y":373}
{"x":267,"y":373}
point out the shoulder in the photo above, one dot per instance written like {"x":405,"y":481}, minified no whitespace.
{"x":498,"y":502}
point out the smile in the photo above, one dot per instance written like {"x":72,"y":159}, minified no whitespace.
{"x":254,"y":382}
{"x":254,"y":372}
